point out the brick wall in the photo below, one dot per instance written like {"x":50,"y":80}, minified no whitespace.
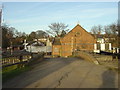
{"x":56,"y":50}
{"x":77,"y":39}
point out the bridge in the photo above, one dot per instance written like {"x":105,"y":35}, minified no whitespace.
{"x":62,"y":72}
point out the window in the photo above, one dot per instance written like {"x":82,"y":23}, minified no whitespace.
{"x":77,"y":33}
{"x":98,"y":46}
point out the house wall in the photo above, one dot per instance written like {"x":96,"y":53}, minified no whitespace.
{"x":102,"y":47}
{"x":48,"y":43}
{"x":36,"y":49}
{"x":77,"y":39}
{"x":56,"y":50}
{"x":103,"y":44}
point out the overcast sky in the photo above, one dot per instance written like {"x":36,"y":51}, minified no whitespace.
{"x":32,"y":16}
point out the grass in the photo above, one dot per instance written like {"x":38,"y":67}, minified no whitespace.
{"x":114,"y":69}
{"x":71,"y":56}
{"x":12,"y":71}
{"x":10,"y":68}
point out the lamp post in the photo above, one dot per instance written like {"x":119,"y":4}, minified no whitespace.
{"x":11,"y":47}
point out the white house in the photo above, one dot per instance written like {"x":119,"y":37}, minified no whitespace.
{"x":36,"y":46}
{"x":102,"y":45}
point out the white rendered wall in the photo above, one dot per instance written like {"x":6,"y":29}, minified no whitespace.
{"x":102,"y":46}
{"x":95,"y":46}
{"x":109,"y":46}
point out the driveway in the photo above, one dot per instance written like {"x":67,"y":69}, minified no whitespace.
{"x":65,"y":73}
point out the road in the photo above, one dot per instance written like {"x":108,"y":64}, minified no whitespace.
{"x":65,"y":73}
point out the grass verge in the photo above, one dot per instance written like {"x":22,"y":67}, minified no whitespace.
{"x":12,"y":71}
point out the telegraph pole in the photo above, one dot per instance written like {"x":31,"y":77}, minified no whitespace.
{"x":0,"y":16}
{"x":118,"y":37}
{"x":0,"y":26}
{"x":0,"y":44}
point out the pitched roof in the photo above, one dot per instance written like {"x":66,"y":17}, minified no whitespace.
{"x":78,"y":25}
{"x":56,"y":41}
{"x":36,"y":43}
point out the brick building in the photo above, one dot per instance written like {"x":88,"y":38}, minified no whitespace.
{"x":56,"y":47}
{"x":77,"y":39}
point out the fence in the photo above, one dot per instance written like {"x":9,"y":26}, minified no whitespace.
{"x":20,"y":58}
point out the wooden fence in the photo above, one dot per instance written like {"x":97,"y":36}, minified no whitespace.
{"x":20,"y":58}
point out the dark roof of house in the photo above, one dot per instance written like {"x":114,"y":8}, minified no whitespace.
{"x":98,"y":35}
{"x":35,"y":43}
{"x":31,"y":42}
{"x":56,"y":41}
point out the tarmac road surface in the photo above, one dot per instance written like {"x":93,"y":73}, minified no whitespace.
{"x":65,"y":73}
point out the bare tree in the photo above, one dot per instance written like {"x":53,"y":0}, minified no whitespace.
{"x":114,"y":28}
{"x":111,"y":29}
{"x":96,"y":29}
{"x":41,"y":34}
{"x":56,"y":29}
{"x":111,"y":32}
{"x":107,"y":31}
{"x":100,"y":29}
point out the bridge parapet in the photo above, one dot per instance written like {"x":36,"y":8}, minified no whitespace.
{"x":86,"y":56}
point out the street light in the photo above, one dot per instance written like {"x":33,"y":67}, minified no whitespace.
{"x":11,"y":46}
